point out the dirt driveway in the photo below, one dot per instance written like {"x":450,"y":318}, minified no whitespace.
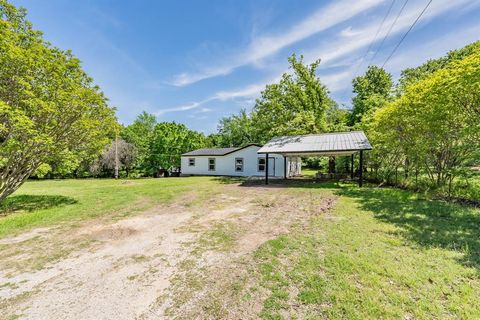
{"x":183,"y":260}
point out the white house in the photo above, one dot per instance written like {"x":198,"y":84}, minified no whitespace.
{"x":242,"y":161}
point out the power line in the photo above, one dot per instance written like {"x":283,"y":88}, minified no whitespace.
{"x":374,"y":38}
{"x":388,"y":32}
{"x":406,"y":33}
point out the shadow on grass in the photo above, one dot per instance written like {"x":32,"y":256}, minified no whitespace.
{"x":32,"y":202}
{"x":293,"y":183}
{"x":229,"y":180}
{"x":427,"y":223}
{"x":422,"y":222}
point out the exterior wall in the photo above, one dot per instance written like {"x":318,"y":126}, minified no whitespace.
{"x":225,"y":165}
{"x":294,"y":166}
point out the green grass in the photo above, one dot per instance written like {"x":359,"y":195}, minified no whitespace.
{"x":220,"y":237}
{"x":382,"y":253}
{"x":309,"y":172}
{"x":46,"y":203}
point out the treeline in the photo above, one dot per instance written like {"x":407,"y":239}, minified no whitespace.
{"x":425,"y":128}
{"x":298,"y":104}
{"x":145,"y":148}
{"x":55,"y":122}
{"x":426,"y":131}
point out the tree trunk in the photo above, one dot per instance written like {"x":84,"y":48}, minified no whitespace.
{"x":13,"y":182}
{"x":407,"y":164}
{"x":116,"y":157}
{"x":331,"y":165}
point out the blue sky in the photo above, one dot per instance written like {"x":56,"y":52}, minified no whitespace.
{"x":197,"y":61}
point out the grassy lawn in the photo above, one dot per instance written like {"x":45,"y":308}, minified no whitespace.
{"x":383,"y":253}
{"x":45,"y":203}
{"x":309,"y":172}
{"x":379,"y":253}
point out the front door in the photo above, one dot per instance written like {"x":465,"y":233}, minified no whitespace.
{"x":271,"y":166}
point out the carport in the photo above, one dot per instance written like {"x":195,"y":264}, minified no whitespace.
{"x":319,"y":145}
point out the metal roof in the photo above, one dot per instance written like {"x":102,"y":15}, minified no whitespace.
{"x":337,"y":143}
{"x":216,"y":151}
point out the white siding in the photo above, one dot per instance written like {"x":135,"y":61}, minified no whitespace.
{"x":225,"y":165}
{"x":294,"y":166}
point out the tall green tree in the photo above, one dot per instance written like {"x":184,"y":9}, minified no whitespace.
{"x":298,"y":104}
{"x":237,"y":130}
{"x":410,"y":76}
{"x":169,"y":141}
{"x":337,"y":118}
{"x":48,"y":104}
{"x":372,"y":91}
{"x":140,"y":134}
{"x":435,"y":122}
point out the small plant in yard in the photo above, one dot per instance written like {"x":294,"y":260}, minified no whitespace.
{"x":220,"y":237}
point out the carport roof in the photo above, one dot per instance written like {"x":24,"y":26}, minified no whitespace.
{"x":337,"y":143}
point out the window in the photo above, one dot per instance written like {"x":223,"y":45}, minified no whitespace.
{"x":238,"y":164}
{"x":191,"y":162}
{"x":261,"y":164}
{"x":211,"y":164}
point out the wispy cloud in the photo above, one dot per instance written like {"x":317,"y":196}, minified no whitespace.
{"x":245,"y":92}
{"x":434,"y":48}
{"x":266,"y":45}
{"x":338,"y":81}
{"x":185,"y":107}
{"x":248,"y":91}
{"x":355,"y":39}
{"x":349,"y":42}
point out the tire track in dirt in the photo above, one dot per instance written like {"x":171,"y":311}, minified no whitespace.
{"x":138,"y":267}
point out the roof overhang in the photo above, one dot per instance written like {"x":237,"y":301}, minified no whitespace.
{"x":316,"y":153}
{"x":216,"y":152}
{"x":327,"y":144}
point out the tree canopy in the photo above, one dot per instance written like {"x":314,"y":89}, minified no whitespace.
{"x":140,"y":134}
{"x":411,"y":75}
{"x":237,"y":130}
{"x":49,"y":107}
{"x":297,"y":104}
{"x":54,"y":120}
{"x":169,"y":141}
{"x":371,"y":90}
{"x":433,"y":126}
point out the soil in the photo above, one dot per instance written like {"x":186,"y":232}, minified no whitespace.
{"x":182,"y":260}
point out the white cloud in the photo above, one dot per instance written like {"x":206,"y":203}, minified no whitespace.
{"x":185,"y":107}
{"x":434,"y":48}
{"x":246,"y":92}
{"x":349,"y":42}
{"x":266,"y":45}
{"x":205,"y":110}
{"x":338,"y":81}
{"x":344,"y":46}
{"x":348,"y":32}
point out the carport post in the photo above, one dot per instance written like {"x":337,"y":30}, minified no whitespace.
{"x":266,"y":168}
{"x":360,"y":170}
{"x":284,"y":167}
{"x":351,"y":168}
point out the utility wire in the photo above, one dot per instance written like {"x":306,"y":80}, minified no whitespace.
{"x":388,"y":32}
{"x":406,"y":33}
{"x":374,"y":38}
